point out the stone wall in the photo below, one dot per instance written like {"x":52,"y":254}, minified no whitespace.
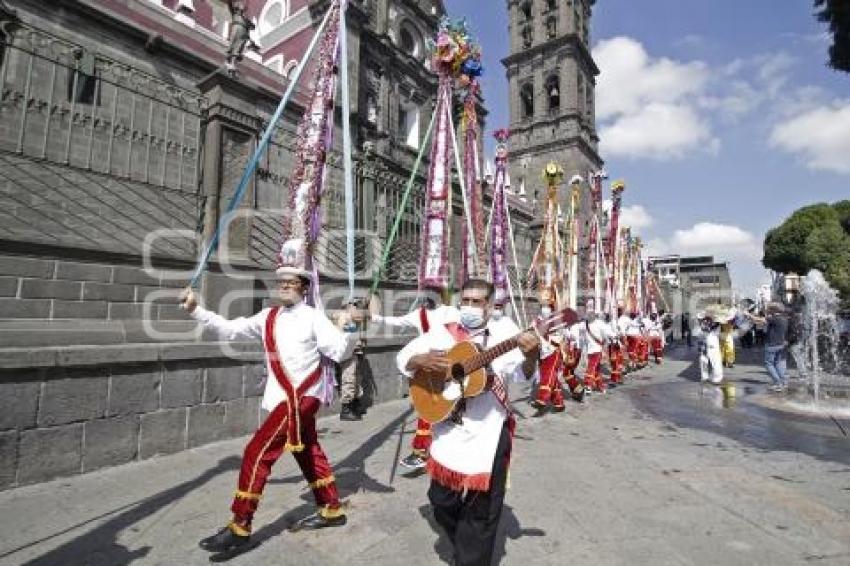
{"x":71,"y":410}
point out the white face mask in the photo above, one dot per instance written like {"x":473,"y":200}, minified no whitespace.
{"x":496,"y":314}
{"x":545,"y":311}
{"x":471,"y":317}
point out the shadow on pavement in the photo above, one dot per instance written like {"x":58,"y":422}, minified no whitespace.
{"x":101,"y":546}
{"x":509,"y":528}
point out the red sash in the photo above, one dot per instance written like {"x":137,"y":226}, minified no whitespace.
{"x":293,"y":395}
{"x":423,"y":319}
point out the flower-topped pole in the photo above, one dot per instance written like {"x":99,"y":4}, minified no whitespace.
{"x":473,"y":243}
{"x":547,"y":262}
{"x":617,"y":188}
{"x":455,"y":59}
{"x":573,"y":251}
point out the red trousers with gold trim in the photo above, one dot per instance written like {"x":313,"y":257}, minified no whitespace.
{"x":615,"y":357}
{"x":266,"y":447}
{"x":592,"y":379}
{"x":550,"y":385}
{"x":632,"y":347}
{"x":657,"y":349}
{"x":643,"y":350}
{"x":422,"y":438}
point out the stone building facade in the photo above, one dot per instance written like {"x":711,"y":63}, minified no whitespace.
{"x":121,"y":142}
{"x":551,"y":74}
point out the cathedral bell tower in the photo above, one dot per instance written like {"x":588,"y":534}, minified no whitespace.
{"x":551,"y":74}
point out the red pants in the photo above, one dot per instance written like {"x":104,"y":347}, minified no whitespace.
{"x":632,"y":346}
{"x":615,"y":357}
{"x":265,"y":448}
{"x":422,"y":438}
{"x":574,"y":384}
{"x":657,"y":348}
{"x":643,"y":350}
{"x":592,"y":379}
{"x":550,"y":383}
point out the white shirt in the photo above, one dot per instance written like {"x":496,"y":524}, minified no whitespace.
{"x":599,"y":329}
{"x":623,"y":324}
{"x":441,"y":315}
{"x":633,"y":326}
{"x":301,"y":332}
{"x":468,"y":448}
{"x":654,"y":328}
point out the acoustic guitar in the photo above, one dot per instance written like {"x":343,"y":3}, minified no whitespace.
{"x":435,"y":396}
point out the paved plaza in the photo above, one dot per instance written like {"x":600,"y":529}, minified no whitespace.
{"x":659,"y":471}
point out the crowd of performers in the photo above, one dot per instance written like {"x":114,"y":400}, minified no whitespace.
{"x":464,"y":476}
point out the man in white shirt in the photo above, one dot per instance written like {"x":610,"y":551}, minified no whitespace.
{"x":551,"y":363}
{"x":294,"y":336}
{"x":470,"y":452}
{"x":615,"y":351}
{"x":421,"y":319}
{"x":655,"y":331}
{"x":632,"y":330}
{"x":596,"y":335}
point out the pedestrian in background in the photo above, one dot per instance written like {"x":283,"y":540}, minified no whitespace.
{"x":776,"y":344}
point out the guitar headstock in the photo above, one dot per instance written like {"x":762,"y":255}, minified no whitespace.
{"x":560,"y":319}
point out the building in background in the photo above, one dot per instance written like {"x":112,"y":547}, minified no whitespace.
{"x":121,"y":142}
{"x":692,"y":284}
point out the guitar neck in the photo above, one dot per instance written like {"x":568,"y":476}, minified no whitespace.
{"x":482,"y":359}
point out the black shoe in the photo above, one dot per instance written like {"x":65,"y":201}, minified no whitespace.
{"x":318,"y":521}
{"x":413,"y":461}
{"x":539,"y":410}
{"x":558,"y":408}
{"x":224,"y":540}
{"x":358,"y":407}
{"x":348,"y":413}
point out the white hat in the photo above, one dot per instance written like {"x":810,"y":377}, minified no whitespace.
{"x":292,"y":259}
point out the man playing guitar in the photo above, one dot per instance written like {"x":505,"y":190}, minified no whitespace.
{"x":470,"y":452}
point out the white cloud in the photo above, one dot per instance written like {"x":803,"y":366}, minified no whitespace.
{"x":819,"y":137}
{"x":727,"y":243}
{"x":724,"y":241}
{"x":647,"y":107}
{"x":658,"y":131}
{"x":634,"y":216}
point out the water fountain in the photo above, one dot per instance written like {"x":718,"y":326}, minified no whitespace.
{"x":819,"y":355}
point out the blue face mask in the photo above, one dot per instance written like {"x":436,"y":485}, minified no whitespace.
{"x":471,"y":317}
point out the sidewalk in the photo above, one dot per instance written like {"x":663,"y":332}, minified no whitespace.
{"x":604,"y":483}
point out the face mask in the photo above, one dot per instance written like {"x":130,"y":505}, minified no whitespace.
{"x":496,"y":314}
{"x":545,"y":311}
{"x":471,"y":317}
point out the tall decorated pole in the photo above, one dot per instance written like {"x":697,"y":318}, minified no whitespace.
{"x":499,"y":230}
{"x":573,"y":247}
{"x":313,"y":142}
{"x":547,"y":262}
{"x":473,"y":244}
{"x":617,"y":189}
{"x":452,"y":50}
{"x":591,"y":274}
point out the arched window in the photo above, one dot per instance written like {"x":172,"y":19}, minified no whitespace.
{"x":408,"y":39}
{"x":551,"y":27}
{"x":289,"y":68}
{"x":273,"y":14}
{"x":525,"y":11}
{"x":526,"y":96}
{"x":553,"y":93}
{"x":551,"y":5}
{"x":526,"y":36}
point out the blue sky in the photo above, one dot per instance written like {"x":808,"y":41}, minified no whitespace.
{"x":721,"y":116}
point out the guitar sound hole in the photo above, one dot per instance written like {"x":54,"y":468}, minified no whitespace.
{"x":457,"y":372}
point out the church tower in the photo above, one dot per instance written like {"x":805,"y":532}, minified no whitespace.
{"x":551,"y":74}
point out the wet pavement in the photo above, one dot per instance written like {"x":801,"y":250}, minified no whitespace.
{"x":656,"y":472}
{"x":753,"y":416}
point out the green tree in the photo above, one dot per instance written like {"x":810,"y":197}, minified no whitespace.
{"x":813,"y":237}
{"x":836,"y":13}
